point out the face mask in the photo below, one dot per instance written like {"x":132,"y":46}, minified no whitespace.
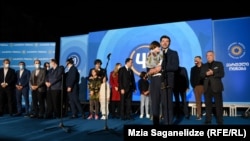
{"x":47,"y":68}
{"x":37,"y":66}
{"x":6,"y":65}
{"x":21,"y":67}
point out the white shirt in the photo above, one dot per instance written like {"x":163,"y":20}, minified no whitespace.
{"x":5,"y":73}
{"x":21,"y":72}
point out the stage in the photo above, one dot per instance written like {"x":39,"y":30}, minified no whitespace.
{"x":27,"y":129}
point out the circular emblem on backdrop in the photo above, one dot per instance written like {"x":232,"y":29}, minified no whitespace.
{"x":139,"y":55}
{"x":76,"y":58}
{"x":236,"y":50}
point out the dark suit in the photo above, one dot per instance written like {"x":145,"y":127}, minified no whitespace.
{"x":24,"y":82}
{"x":72,"y":81}
{"x":180,"y":88}
{"x":126,"y":82}
{"x":38,"y":95}
{"x":213,"y":88}
{"x":54,"y":92}
{"x":170,"y":64}
{"x":7,"y":92}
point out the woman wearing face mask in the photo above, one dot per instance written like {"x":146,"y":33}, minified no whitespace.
{"x":38,"y":90}
{"x":7,"y":80}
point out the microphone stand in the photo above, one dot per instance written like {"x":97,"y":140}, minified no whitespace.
{"x":165,"y":77}
{"x":106,"y":128}
{"x":61,"y":125}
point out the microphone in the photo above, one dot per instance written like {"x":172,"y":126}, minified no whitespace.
{"x":109,"y":55}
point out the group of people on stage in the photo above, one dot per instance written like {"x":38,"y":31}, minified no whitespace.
{"x":167,"y":79}
{"x":163,"y":80}
{"x":46,"y":85}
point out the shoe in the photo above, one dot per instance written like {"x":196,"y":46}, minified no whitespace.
{"x":198,"y":118}
{"x":96,"y":117}
{"x":26,"y":115}
{"x":90,"y":117}
{"x":147,"y":116}
{"x":74,"y":116}
{"x":33,"y":116}
{"x":17,"y":114}
{"x":103,"y":117}
{"x":161,"y":117}
{"x":141,"y":116}
{"x":151,"y":118}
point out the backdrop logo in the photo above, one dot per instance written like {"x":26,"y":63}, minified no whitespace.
{"x":139,"y":55}
{"x":236,"y":50}
{"x":76,"y":57}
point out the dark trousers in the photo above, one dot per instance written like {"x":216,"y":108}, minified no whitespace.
{"x":209,"y":96}
{"x":161,"y":97}
{"x":126,"y":103}
{"x":25,"y":94}
{"x":74,"y":101}
{"x":181,"y":103}
{"x":6,"y":95}
{"x":115,"y":108}
{"x":38,"y":103}
{"x":53,"y":101}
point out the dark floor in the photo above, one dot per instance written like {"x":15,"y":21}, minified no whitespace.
{"x":66,"y":129}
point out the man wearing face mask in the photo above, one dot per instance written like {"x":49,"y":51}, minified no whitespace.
{"x":38,"y":90}
{"x":54,"y":85}
{"x":22,"y":88}
{"x":46,"y":66}
{"x":7,"y":81}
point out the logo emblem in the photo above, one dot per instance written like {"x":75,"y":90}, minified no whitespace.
{"x":139,"y":55}
{"x":76,"y":57}
{"x":236,"y":50}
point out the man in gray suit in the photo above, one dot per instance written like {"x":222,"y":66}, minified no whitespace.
{"x":38,"y":89}
{"x":212,"y":72}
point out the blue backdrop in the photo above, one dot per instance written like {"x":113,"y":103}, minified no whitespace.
{"x":229,"y":39}
{"x":76,"y":47}
{"x":27,"y":52}
{"x":231,"y":44}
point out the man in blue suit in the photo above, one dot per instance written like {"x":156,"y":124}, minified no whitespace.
{"x":72,"y":88}
{"x":22,"y":89}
